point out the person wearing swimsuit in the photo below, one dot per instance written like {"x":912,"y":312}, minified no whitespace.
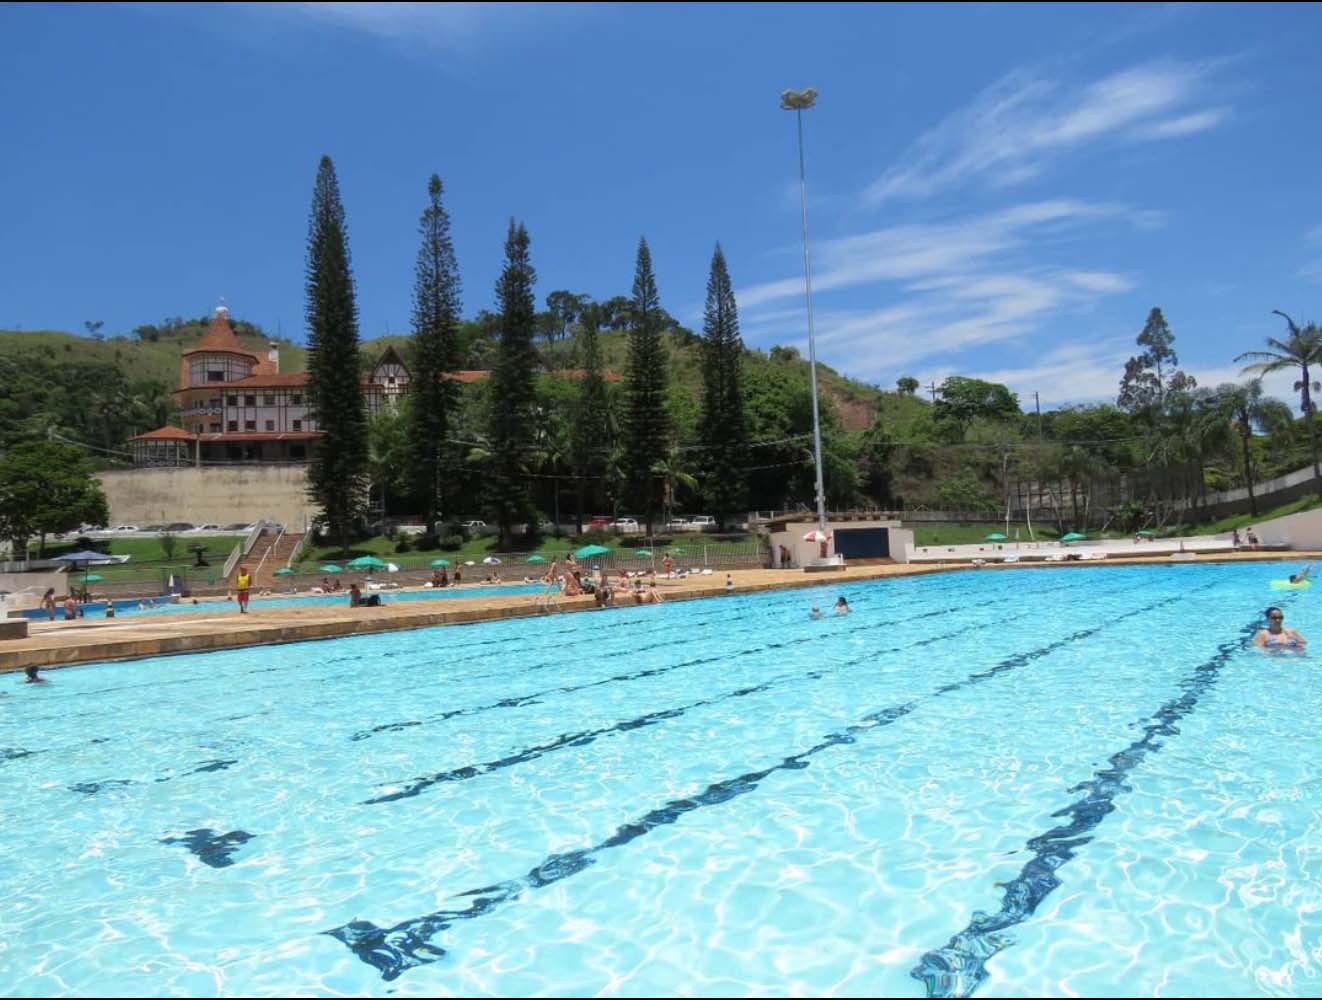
{"x":1276,"y":635}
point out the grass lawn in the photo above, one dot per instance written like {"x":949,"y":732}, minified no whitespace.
{"x":148,"y":560}
{"x":548,"y":547}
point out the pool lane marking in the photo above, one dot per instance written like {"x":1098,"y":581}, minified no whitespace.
{"x":521,"y":700}
{"x":394,"y":950}
{"x":959,"y":967}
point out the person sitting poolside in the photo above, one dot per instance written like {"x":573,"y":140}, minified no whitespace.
{"x":1302,"y":575}
{"x":355,"y":596}
{"x":729,"y":584}
{"x":842,"y":607}
{"x":110,"y":609}
{"x":1276,"y":635}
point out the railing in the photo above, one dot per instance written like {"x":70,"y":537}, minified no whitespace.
{"x":242,"y":549}
{"x":232,"y":561}
{"x":298,"y":549}
{"x":269,"y":549}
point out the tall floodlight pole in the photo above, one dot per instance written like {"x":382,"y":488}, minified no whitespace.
{"x":799,"y":101}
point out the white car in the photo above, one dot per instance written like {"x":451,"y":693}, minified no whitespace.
{"x":207,"y":527}
{"x":127,"y":527}
{"x":702,"y":522}
{"x":474,"y":525}
{"x":626,"y":525}
{"x":678,"y":523}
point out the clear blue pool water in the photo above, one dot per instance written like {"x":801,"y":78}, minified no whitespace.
{"x":1066,"y":782}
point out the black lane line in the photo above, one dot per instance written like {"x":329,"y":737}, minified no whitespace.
{"x":92,"y":787}
{"x":211,"y":848}
{"x":960,"y":967}
{"x":519,"y":701}
{"x":396,"y":949}
{"x":586,"y":737}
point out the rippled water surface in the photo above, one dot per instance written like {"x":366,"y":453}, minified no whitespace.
{"x":1054,"y":782}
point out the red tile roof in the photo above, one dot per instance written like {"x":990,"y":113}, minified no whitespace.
{"x":166,"y":434}
{"x":220,"y":338}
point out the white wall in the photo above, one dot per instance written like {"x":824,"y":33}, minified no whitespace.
{"x":1301,"y":531}
{"x":209,"y":495}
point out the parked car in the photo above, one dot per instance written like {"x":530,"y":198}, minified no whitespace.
{"x":600,"y":522}
{"x":677,"y":523}
{"x":626,"y":525}
{"x":207,"y":527}
{"x":179,"y":526}
{"x":154,"y":527}
{"x":473,"y":525}
{"x":127,"y":527}
{"x":703,"y":522}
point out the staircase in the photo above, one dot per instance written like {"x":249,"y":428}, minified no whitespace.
{"x":269,"y":553}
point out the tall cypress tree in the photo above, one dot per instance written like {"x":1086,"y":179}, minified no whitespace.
{"x":590,"y":435}
{"x":512,"y":399}
{"x":648,"y":422}
{"x":436,"y":307}
{"x":337,"y":476}
{"x":722,"y":430}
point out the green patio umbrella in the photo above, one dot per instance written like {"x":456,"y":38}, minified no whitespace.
{"x":1074,"y":536}
{"x":677,"y":552}
{"x":995,"y":536}
{"x":644,"y":553}
{"x":537,"y":559}
{"x":93,"y":578}
{"x":331,"y":568}
{"x":440,"y":562}
{"x":366,"y":562}
{"x":1147,"y":533}
{"x":284,"y":571}
{"x":588,"y":551}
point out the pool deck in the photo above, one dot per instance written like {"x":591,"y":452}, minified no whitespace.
{"x":62,"y":644}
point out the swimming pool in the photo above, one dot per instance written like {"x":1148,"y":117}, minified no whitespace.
{"x":129,"y":606}
{"x":1048,"y":782}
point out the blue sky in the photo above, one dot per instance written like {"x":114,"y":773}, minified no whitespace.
{"x":994,"y":190}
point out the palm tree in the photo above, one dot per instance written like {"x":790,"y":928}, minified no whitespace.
{"x":672,"y":475}
{"x":1301,"y":349}
{"x":1247,"y":408}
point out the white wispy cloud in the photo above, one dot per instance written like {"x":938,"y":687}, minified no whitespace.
{"x":1090,"y":372}
{"x":1015,"y":127}
{"x":434,"y":25}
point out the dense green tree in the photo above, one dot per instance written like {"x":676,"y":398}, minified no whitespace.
{"x":722,"y":430}
{"x":388,"y":453}
{"x":1153,"y":373}
{"x":647,"y":424}
{"x":46,"y":489}
{"x":1301,"y":350}
{"x":907,"y":384}
{"x":337,"y":475}
{"x":591,"y":440}
{"x":961,"y":400}
{"x":436,"y":306}
{"x":512,"y":412}
{"x":1249,"y":410}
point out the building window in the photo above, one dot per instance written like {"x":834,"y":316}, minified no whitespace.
{"x":215,"y":402}
{"x":215,"y":376}
{"x":249,"y":400}
{"x":250,"y":425}
{"x":298,"y":425}
{"x":233,"y":400}
{"x":215,"y":428}
{"x":270,"y":425}
{"x":268,"y":401}
{"x":296,"y":399}
{"x":391,"y":380}
{"x":234,"y":425}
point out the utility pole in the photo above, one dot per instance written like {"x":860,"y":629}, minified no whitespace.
{"x":931,"y":387}
{"x":1037,"y":402}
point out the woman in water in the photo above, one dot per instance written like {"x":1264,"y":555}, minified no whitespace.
{"x":1276,"y":635}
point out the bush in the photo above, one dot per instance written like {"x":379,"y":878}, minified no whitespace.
{"x":427,"y":543}
{"x":402,"y":542}
{"x":452,"y":543}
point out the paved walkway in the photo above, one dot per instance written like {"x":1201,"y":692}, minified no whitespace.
{"x":59,"y":643}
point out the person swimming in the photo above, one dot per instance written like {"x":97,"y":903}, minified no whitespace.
{"x":1302,"y":575}
{"x":815,"y":613}
{"x":1276,"y":635}
{"x":842,"y":607}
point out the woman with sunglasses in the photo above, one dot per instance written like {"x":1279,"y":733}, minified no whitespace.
{"x":1276,"y":635}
